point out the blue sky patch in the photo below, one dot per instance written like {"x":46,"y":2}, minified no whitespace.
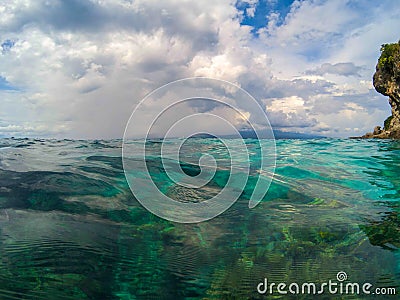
{"x":5,"y":85}
{"x":7,"y":45}
{"x":262,"y":11}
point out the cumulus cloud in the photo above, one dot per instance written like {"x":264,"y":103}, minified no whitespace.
{"x":78,"y":68}
{"x":289,"y":112}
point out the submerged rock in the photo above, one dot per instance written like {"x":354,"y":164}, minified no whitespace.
{"x":387,"y":82}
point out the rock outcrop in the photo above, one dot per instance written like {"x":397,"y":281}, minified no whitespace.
{"x":387,"y":82}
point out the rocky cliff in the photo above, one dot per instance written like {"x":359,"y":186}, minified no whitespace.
{"x":387,"y":82}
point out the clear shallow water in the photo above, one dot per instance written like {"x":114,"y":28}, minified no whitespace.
{"x":71,"y":229}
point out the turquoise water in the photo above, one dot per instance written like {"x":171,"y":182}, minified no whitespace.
{"x":71,"y":229}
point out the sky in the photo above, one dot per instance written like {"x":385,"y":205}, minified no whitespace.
{"x":77,"y":69}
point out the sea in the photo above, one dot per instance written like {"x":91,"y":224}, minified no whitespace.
{"x":70,"y":227}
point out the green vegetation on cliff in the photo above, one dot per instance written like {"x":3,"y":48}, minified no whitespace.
{"x":386,"y":124}
{"x":388,"y":54}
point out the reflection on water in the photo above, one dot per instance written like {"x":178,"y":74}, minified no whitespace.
{"x":71,"y":229}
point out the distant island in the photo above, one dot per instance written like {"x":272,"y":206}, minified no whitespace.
{"x":387,"y":82}
{"x":264,"y":134}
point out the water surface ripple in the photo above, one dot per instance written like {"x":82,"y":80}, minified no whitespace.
{"x":71,"y":229}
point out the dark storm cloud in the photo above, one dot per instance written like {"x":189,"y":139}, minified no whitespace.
{"x":343,"y":69}
{"x":94,"y":18}
{"x":303,"y":88}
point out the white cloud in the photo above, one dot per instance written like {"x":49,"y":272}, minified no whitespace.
{"x":80,"y":67}
{"x":286,"y":105}
{"x":250,"y":6}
